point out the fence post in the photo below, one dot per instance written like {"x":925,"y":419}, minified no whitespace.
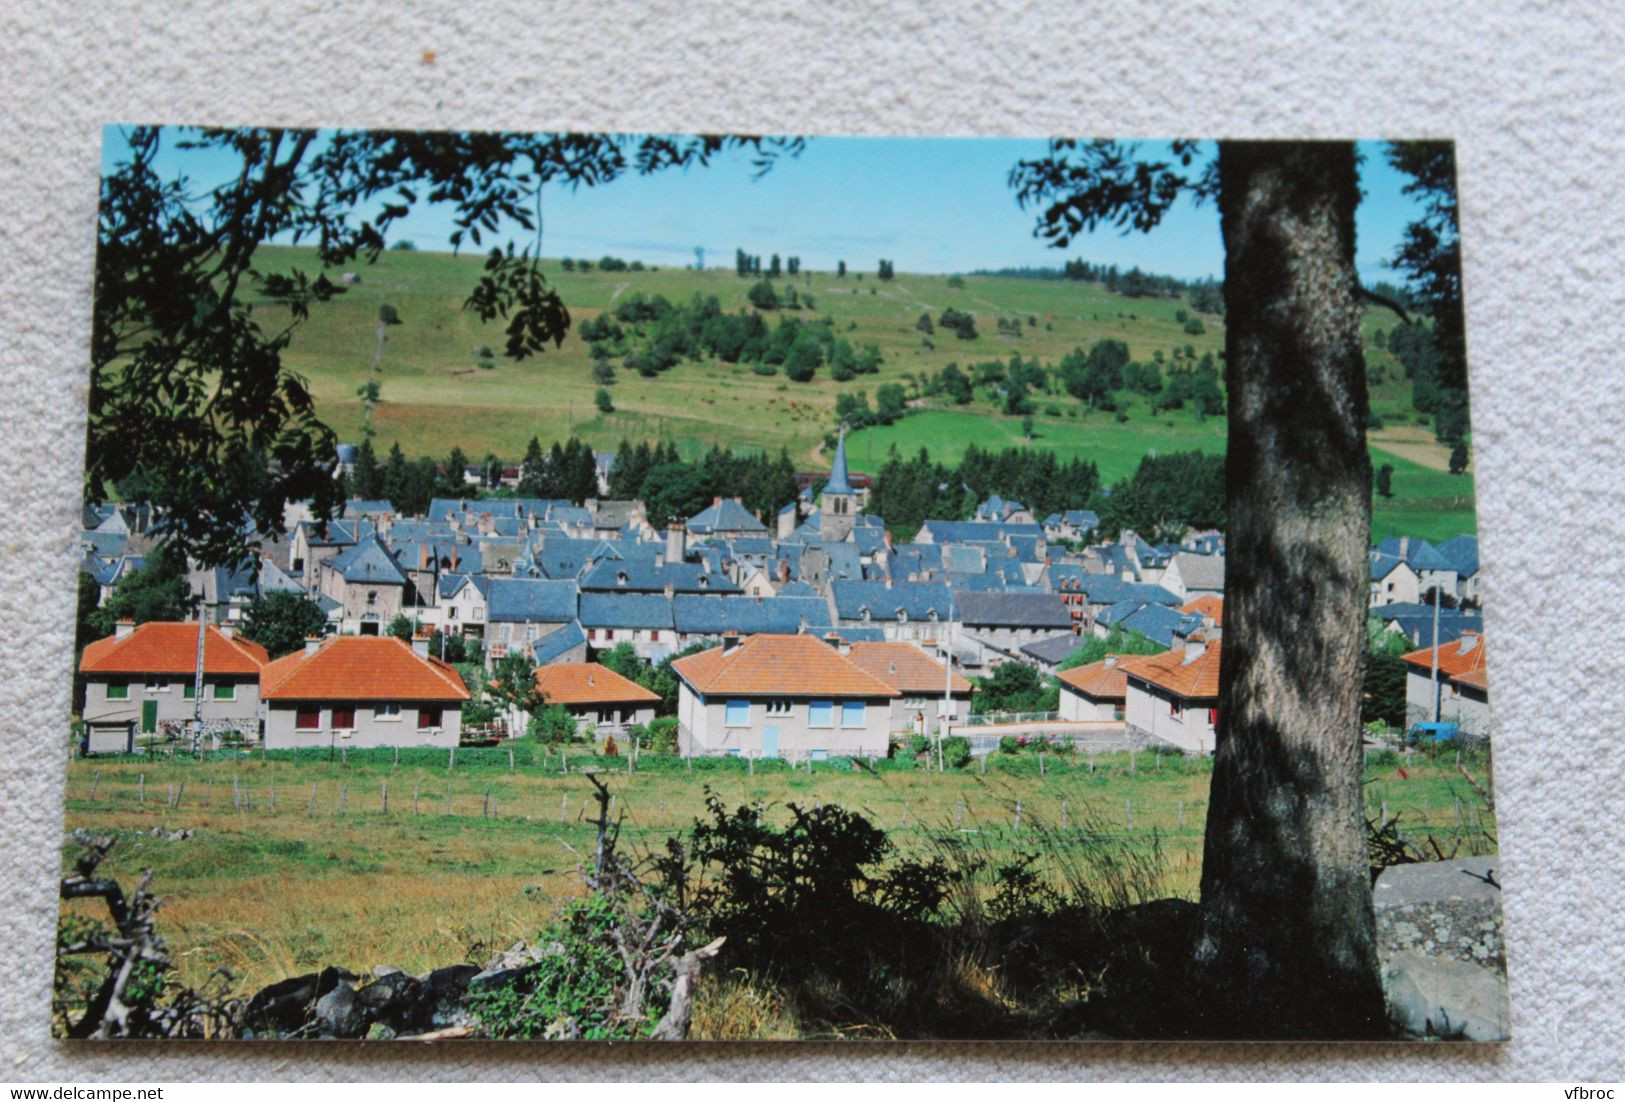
{"x":414,"y":799}
{"x":270,"y":800}
{"x":1018,"y":817}
{"x":180,"y":793}
{"x":448,"y":799}
{"x":1128,"y":813}
{"x":208,"y":793}
{"x":236,"y":796}
{"x":396,"y":763}
{"x":510,"y":759}
{"x":169,"y":793}
{"x":1063,"y":814}
{"x":564,"y":807}
{"x":1134,"y":760}
{"x":983,"y":760}
{"x":629,"y":763}
{"x":1091,"y":761}
{"x":344,"y":756}
{"x":485,"y":812}
{"x":1181,"y":814}
{"x":94,"y":781}
{"x":451,"y":759}
{"x":959,"y":813}
{"x":383,"y":798}
{"x":750,"y":763}
{"x":311,"y":809}
{"x":564,"y":761}
{"x":344,"y":797}
{"x":904,"y":820}
{"x":141,"y":789}
{"x":1041,"y":763}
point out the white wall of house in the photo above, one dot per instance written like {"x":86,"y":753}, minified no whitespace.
{"x":1187,"y":725}
{"x":1077,"y":707}
{"x":226,"y":700}
{"x":651,"y":644}
{"x":806,"y":728}
{"x":906,"y":710}
{"x":1401,"y":586}
{"x":1463,"y":704}
{"x":292,"y":725}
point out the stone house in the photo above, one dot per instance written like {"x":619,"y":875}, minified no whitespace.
{"x":369,"y":586}
{"x":521,"y":611}
{"x":1461,"y":692}
{"x":362,"y":691}
{"x":789,"y":696}
{"x":141,"y":682}
{"x":1190,"y":575}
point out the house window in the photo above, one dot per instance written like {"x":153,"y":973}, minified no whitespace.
{"x":780,"y":707}
{"x":118,"y":690}
{"x":188,"y":690}
{"x":386,"y":711}
{"x":155,"y":684}
{"x":427,"y":718}
{"x":454,"y":612}
{"x":852,"y":713}
{"x":307,"y":719}
{"x":1173,"y":708}
{"x":224,"y":690}
{"x":821,"y":713}
{"x":372,"y":596}
{"x":1213,"y":717}
{"x":344,"y":719}
{"x":476,"y":614}
{"x":738,"y":713}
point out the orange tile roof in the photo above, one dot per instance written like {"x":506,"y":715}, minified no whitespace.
{"x":1192,"y":678}
{"x":1479,"y":678}
{"x":1106,"y":679}
{"x":360,"y":667}
{"x":171,"y":647}
{"x":1453,"y":661}
{"x":780,"y":665}
{"x":904,"y":667}
{"x":1206,"y":606}
{"x":589,"y":683}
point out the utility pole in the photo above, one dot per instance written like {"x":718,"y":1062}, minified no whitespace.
{"x":197,"y":678}
{"x":1438,"y":702}
{"x":947,"y":681}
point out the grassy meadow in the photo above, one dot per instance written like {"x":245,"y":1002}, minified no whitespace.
{"x":294,"y":864}
{"x":435,"y":394}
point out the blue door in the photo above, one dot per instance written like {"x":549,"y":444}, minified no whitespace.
{"x":770,"y":741}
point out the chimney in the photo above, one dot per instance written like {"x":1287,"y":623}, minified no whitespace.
{"x":420,"y":643}
{"x":677,"y":541}
{"x":1195,"y":647}
{"x":803,"y":630}
{"x":671,"y":590}
{"x":228,"y":630}
{"x":787,"y":523}
{"x":1404,"y":546}
{"x":311,"y":643}
{"x":1469,"y":640}
{"x":123,"y":628}
{"x":717,"y":500}
{"x":730,"y":642}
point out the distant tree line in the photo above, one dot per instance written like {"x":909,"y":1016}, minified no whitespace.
{"x":1205,"y":295}
{"x":605,"y":264}
{"x":672,"y":489}
{"x":407,"y":484}
{"x":909,"y":491}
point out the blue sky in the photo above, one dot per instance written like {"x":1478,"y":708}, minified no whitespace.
{"x":926,"y":204}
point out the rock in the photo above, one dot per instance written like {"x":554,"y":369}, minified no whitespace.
{"x":288,"y":1005}
{"x":493,"y":979}
{"x":340,"y":1014}
{"x":1432,"y":996}
{"x":378,"y":1031}
{"x":443,"y":992}
{"x":397,"y":1000}
{"x":381,"y":970}
{"x":1443,"y":956}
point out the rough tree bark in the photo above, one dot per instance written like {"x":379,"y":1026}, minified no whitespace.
{"x":1287,"y":946}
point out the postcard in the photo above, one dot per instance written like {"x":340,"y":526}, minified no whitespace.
{"x":573,"y":586}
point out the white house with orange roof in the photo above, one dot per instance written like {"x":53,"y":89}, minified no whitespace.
{"x":922,"y":681}
{"x":1458,"y":693}
{"x":595,"y":694}
{"x":1098,"y":691}
{"x":361,"y":690}
{"x":141,"y":681}
{"x":791,"y":696}
{"x":1173,"y":697}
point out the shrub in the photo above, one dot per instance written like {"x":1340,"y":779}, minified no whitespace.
{"x":956,"y":751}
{"x":1009,"y":744}
{"x":919,"y":744}
{"x":663,"y":735}
{"x":552,"y":724}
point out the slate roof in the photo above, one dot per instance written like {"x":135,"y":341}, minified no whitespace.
{"x":869,"y":540}
{"x":368,"y":562}
{"x":589,"y":683}
{"x":1082,"y":519}
{"x":918,"y":600}
{"x":1025,"y":610}
{"x":1160,"y":624}
{"x":905,"y":667}
{"x":625,"y":610}
{"x":974,"y":531}
{"x":779,"y":665}
{"x":695,"y":615}
{"x":1199,"y":571}
{"x":1461,"y":552}
{"x":361,"y":667}
{"x":643,"y":576}
{"x":366,"y":507}
{"x":1053,"y":649}
{"x":106,"y":544}
{"x":555,"y":643}
{"x":1383,"y":565}
{"x":160,"y":646}
{"x":839,"y":482}
{"x":1191,"y":677}
{"x":530,"y":600}
{"x":449,"y":585}
{"x":726,"y":515}
{"x":797,"y":589}
{"x":1419,"y":553}
{"x":1452,"y":626}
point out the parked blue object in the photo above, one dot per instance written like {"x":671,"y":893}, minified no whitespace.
{"x":1435,"y":732}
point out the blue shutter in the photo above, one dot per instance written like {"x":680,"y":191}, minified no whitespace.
{"x":852,"y":713}
{"x":821,"y":713}
{"x":738,"y":713}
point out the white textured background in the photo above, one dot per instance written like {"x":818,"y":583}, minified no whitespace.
{"x":1534,"y":99}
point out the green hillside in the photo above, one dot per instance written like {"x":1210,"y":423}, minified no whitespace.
{"x":437,"y":393}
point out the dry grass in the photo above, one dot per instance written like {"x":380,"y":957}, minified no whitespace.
{"x":273,"y":891}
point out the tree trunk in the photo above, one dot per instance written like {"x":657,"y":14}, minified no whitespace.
{"x":1287,"y":946}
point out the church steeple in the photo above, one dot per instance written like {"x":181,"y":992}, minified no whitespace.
{"x":839,"y":503}
{"x":838,"y":482}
